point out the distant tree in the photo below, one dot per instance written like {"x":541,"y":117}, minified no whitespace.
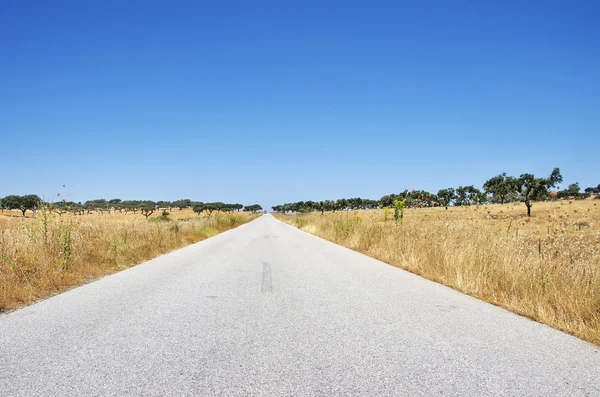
{"x":210,"y":208}
{"x":23,"y":203}
{"x":387,"y":200}
{"x":592,"y":190}
{"x":253,"y":208}
{"x":482,"y":198}
{"x":30,"y":202}
{"x":181,"y":204}
{"x":76,"y":208}
{"x":147,"y":208}
{"x":532,"y":188}
{"x":219,"y":206}
{"x":330,"y":205}
{"x":574,"y":189}
{"x":60,"y":208}
{"x":501,"y":187}
{"x":163,"y":204}
{"x":446,"y":196}
{"x":342,"y":204}
{"x":461,"y":196}
{"x":131,"y":205}
{"x":473,"y":194}
{"x":199,"y":209}
{"x":12,"y":202}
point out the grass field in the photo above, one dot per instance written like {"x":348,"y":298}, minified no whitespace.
{"x":45,"y":254}
{"x":546,"y":267}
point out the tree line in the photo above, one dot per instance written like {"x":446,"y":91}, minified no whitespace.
{"x":501,"y":189}
{"x":32,"y":202}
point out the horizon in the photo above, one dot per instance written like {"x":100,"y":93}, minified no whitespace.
{"x":278,"y":103}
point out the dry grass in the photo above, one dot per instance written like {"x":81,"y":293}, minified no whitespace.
{"x":45,"y":254}
{"x":546,"y":267}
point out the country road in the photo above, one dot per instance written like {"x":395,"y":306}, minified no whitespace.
{"x":266,"y":309}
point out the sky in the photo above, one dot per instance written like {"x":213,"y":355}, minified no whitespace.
{"x":274,"y":102}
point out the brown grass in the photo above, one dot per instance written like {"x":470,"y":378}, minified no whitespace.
{"x":546,"y":267}
{"x":45,"y":254}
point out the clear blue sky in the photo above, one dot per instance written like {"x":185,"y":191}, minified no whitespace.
{"x":274,"y":102}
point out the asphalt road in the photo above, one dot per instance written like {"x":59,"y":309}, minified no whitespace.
{"x":266,"y":309}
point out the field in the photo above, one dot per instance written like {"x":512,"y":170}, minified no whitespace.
{"x":45,"y":254}
{"x":546,"y":267}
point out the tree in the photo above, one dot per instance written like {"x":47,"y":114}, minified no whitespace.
{"x":341,"y":204}
{"x":199,"y":209}
{"x":253,"y":208}
{"x":591,"y":189}
{"x":12,"y":202}
{"x":167,"y":205}
{"x":501,"y":187}
{"x":461,"y":196}
{"x":210,"y":207}
{"x":23,"y":203}
{"x":387,"y":200}
{"x":60,"y":208}
{"x":181,"y":204}
{"x":147,"y":208}
{"x":532,"y":188}
{"x":574,"y":189}
{"x":30,"y":202}
{"x":446,"y":196}
{"x":131,"y":205}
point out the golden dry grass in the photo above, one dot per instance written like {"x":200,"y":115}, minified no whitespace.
{"x":45,"y":254}
{"x":546,"y":267}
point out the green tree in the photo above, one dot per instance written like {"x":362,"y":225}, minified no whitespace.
{"x":181,"y":204}
{"x":253,"y":208}
{"x":210,"y":208}
{"x":532,"y":188}
{"x":60,"y":208}
{"x":31,"y":202}
{"x":199,"y":209}
{"x":461,"y":196}
{"x":446,"y":196}
{"x":12,"y":202}
{"x":574,"y":189}
{"x":23,"y":203}
{"x":591,"y":189}
{"x":147,"y":208}
{"x":501,"y":187}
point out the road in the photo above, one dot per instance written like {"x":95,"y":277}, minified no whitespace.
{"x":266,"y":309}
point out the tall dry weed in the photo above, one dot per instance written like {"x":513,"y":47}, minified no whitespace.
{"x":44,"y":255}
{"x":546,"y":267}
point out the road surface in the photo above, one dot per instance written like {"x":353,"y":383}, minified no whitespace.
{"x":266,"y":309}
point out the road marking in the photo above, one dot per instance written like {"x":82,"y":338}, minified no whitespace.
{"x":267,"y":284}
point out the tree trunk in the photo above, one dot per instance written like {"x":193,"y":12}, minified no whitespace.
{"x":528,"y":204}
{"x":23,"y":211}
